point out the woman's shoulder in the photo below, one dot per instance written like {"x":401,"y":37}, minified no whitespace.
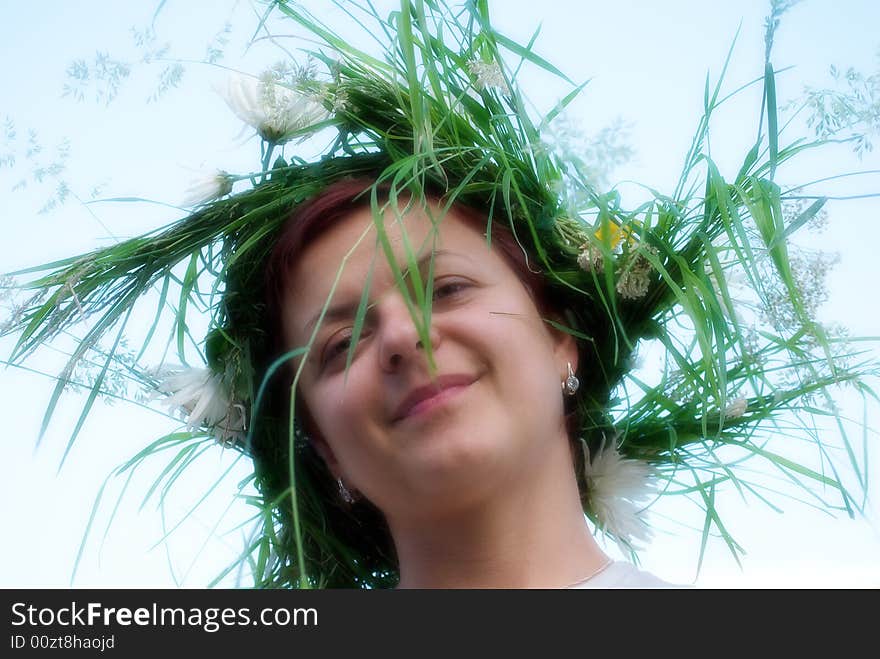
{"x":620,"y":574}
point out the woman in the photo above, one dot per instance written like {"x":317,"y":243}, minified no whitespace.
{"x":425,"y":336}
{"x":470,"y":463}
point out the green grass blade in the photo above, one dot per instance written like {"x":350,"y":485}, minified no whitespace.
{"x":772,"y":120}
{"x":800,"y":220}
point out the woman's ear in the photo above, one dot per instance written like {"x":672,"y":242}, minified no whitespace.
{"x":564,"y":345}
{"x":322,"y":448}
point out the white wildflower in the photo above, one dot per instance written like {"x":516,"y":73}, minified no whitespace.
{"x":635,"y":278}
{"x":809,"y":271}
{"x":633,"y":284}
{"x":275,"y":111}
{"x":591,"y":258}
{"x":340,"y":101}
{"x":677,"y":387}
{"x":488,"y":75}
{"x":619,"y":490}
{"x":7,"y":283}
{"x":201,"y":395}
{"x":736,"y":408}
{"x":751,"y":347}
{"x":16,"y":313}
{"x":293,"y":73}
{"x":793,"y":209}
{"x":207,"y":188}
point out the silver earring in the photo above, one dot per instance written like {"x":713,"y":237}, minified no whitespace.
{"x":344,"y":492}
{"x":571,"y":383}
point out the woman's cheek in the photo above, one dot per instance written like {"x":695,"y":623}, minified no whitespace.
{"x":352,"y":396}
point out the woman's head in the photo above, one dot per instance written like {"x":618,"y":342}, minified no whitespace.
{"x":497,"y":410}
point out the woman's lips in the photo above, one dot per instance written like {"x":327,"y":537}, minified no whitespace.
{"x":435,"y":401}
{"x":426,"y":398}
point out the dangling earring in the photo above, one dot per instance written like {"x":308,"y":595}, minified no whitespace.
{"x":571,"y":383}
{"x":344,"y":492}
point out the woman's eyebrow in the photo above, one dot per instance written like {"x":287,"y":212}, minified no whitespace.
{"x":333,"y":313}
{"x":426,"y":258}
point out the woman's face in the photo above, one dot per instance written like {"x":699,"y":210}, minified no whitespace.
{"x":409,"y":443}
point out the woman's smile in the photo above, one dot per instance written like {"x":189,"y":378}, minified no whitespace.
{"x":423,"y":399}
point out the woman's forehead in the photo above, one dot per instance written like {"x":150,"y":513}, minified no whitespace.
{"x":355,"y":244}
{"x":343,"y":258}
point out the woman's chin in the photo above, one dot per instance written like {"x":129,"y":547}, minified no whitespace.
{"x":458,"y":468}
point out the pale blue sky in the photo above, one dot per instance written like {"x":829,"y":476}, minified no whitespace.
{"x":647,"y":61}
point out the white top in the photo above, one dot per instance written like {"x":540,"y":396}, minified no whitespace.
{"x":619,"y":574}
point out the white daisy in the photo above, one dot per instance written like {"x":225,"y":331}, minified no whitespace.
{"x":207,"y":188}
{"x":201,"y":395}
{"x":618,"y":491}
{"x":273,"y":110}
{"x":487,"y":75}
{"x":736,"y":408}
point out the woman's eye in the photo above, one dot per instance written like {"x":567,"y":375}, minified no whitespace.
{"x":336,"y":348}
{"x":448,"y":289}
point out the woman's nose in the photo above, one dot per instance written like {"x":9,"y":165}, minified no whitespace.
{"x":399,"y":341}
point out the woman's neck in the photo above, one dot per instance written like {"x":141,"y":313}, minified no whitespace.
{"x":533,"y":535}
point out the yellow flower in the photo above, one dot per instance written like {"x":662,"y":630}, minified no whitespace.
{"x":611,"y":234}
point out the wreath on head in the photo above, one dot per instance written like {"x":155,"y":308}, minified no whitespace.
{"x":442,"y":112}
